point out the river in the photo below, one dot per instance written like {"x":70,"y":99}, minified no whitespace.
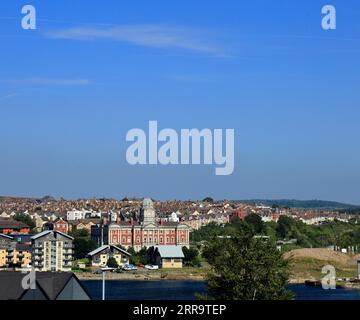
{"x":186,"y":290}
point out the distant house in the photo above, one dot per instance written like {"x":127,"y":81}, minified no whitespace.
{"x":61,"y":226}
{"x":49,"y":286}
{"x":101,"y":255}
{"x":12,"y":226}
{"x":75,"y":215}
{"x":168,"y":256}
{"x":83,"y":224}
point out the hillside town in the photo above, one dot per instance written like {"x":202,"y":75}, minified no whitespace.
{"x":118,"y":225}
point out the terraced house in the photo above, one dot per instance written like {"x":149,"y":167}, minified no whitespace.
{"x":52,"y":251}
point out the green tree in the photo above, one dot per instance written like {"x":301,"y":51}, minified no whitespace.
{"x":284,"y":227}
{"x":255,"y":221}
{"x":144,"y":256}
{"x":208,"y":199}
{"x":246,"y":268}
{"x":191,"y":257}
{"x":112,"y":263}
{"x":82,"y":246}
{"x":24,"y":218}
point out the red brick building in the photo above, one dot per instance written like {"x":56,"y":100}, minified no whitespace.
{"x":148,"y":233}
{"x":239,"y":213}
{"x":61,"y":226}
{"x":9,"y":226}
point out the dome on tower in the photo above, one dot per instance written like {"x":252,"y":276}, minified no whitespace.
{"x":147,"y":202}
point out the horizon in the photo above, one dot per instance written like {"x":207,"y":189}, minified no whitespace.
{"x":177,"y":199}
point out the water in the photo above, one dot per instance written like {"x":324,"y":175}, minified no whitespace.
{"x":186,"y":290}
{"x":318,"y":293}
{"x":146,"y":290}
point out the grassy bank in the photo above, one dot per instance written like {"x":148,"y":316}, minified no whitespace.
{"x":306,"y":264}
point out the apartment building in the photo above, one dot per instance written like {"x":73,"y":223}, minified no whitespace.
{"x":13,"y":254}
{"x":52,"y":251}
{"x":5,"y":242}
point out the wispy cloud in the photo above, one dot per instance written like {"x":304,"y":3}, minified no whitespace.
{"x":9,"y":96}
{"x":48,"y":81}
{"x":144,"y":35}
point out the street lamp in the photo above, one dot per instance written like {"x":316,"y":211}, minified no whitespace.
{"x":103,"y":270}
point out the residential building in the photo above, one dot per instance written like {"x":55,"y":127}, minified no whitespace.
{"x":100,"y":234}
{"x":101,"y":255}
{"x":13,"y":254}
{"x":61,"y":225}
{"x":83,"y":224}
{"x":168,"y":256}
{"x":52,"y":251}
{"x":75,"y":215}
{"x":12,"y":226}
{"x":5,"y":243}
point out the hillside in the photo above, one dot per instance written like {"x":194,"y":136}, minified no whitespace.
{"x":306,"y":264}
{"x":305,"y":204}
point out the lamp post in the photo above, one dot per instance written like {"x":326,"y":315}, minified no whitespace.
{"x":103,"y":270}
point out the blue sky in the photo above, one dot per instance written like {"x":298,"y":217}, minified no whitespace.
{"x":72,"y":88}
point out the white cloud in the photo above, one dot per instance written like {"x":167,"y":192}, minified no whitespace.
{"x":143,"y":35}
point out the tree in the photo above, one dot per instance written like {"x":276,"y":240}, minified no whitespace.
{"x":80,"y":233}
{"x":82,"y":246}
{"x":246,"y":268}
{"x":24,"y":218}
{"x":284,"y":227}
{"x":255,"y":221}
{"x":208,"y":199}
{"x":144,"y":257}
{"x":112,"y":263}
{"x":191,"y":257}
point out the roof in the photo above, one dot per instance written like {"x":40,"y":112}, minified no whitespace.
{"x":6,"y":236}
{"x":45,"y":233}
{"x":9,"y":223}
{"x":105,"y":247}
{"x":147,"y":202}
{"x":170,"y":251}
{"x":50,"y":283}
{"x":53,"y":283}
